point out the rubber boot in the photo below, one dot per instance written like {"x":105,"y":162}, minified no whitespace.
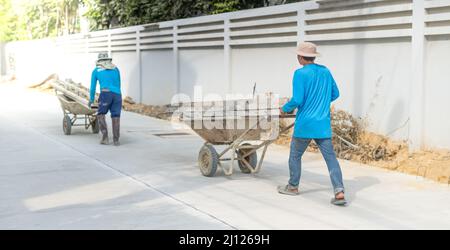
{"x":116,"y":130}
{"x":103,"y":129}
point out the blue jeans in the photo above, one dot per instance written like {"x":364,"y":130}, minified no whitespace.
{"x":298,"y":148}
{"x":109,"y":101}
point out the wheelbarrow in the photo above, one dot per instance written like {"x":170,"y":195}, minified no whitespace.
{"x":243,"y":143}
{"x":75,"y":107}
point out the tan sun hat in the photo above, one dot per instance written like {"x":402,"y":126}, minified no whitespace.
{"x":307,"y":49}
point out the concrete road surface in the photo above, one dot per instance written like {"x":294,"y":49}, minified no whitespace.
{"x":52,"y":181}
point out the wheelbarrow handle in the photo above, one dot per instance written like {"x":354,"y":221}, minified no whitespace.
{"x":287,"y":128}
{"x":284,"y":116}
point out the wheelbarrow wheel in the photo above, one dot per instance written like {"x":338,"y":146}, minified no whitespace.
{"x":67,"y":125}
{"x":94,"y":126}
{"x":252,"y":159}
{"x":208,"y":160}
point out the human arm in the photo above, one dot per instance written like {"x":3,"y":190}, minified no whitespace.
{"x":120,"y":79}
{"x":297,"y":96}
{"x":334,"y":90}
{"x":93,"y":87}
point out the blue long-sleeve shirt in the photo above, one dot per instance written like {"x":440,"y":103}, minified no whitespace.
{"x":314,"y":90}
{"x":108,"y":79}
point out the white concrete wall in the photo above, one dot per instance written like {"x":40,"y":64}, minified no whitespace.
{"x":77,"y":67}
{"x":2,"y":59}
{"x":203,"y":68}
{"x":128,"y":65}
{"x":437,"y":94}
{"x":388,"y":57}
{"x":271,"y":68}
{"x":33,"y":61}
{"x":374,"y":79}
{"x":158,"y":78}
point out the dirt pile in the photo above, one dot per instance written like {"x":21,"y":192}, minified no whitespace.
{"x":353,"y":142}
{"x":433,"y":164}
{"x":7,"y":79}
{"x":45,"y":86}
{"x":160,"y":112}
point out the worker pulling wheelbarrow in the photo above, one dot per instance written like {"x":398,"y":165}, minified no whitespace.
{"x":76,"y":109}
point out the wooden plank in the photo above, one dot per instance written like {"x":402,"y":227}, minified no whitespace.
{"x":157,"y":39}
{"x":360,"y":35}
{"x":437,"y":17}
{"x":200,"y":36}
{"x":124,"y":42}
{"x":270,"y":40}
{"x":97,"y":45}
{"x":99,"y":49}
{"x":436,"y":4}
{"x":124,"y":37}
{"x":360,"y":24}
{"x":429,"y":31}
{"x":327,"y":4}
{"x":201,"y":29}
{"x":157,"y":46}
{"x":98,"y":39}
{"x":156,"y":33}
{"x":263,"y":31}
{"x":279,"y":20}
{"x":359,"y":12}
{"x":200,"y":44}
{"x":124,"y":48}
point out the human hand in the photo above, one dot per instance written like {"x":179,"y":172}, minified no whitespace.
{"x":333,"y":109}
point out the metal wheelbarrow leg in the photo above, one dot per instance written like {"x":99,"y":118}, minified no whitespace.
{"x":244,"y":153}
{"x":73,"y":111}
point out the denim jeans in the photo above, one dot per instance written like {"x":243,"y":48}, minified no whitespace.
{"x":111,"y":102}
{"x":298,"y":148}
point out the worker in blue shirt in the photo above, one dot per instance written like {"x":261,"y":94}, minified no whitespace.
{"x":314,"y":89}
{"x":110,"y":100}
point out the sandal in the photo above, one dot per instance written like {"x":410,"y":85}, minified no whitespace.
{"x":288,"y":190}
{"x":339,"y":202}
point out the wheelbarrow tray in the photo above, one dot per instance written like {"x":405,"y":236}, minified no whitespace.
{"x":222,"y":123}
{"x":228,"y":131}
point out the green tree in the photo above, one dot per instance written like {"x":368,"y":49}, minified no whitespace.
{"x":34,"y":19}
{"x":49,"y":18}
{"x":105,"y":14}
{"x":8,"y":22}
